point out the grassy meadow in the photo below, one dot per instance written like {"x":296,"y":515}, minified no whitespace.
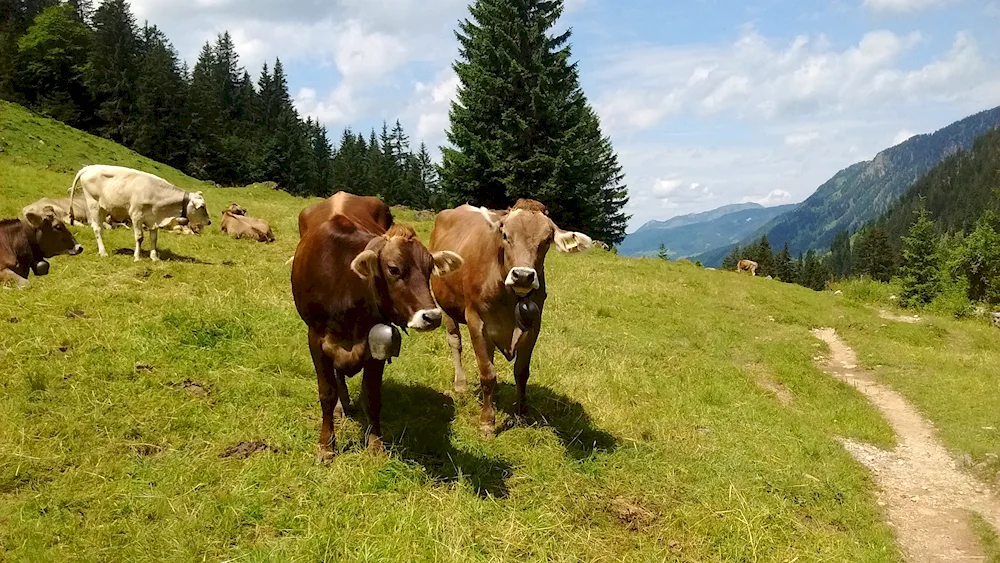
{"x":168,"y":411}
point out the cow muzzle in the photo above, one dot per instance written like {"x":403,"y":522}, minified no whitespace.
{"x":522,"y":280}
{"x":425,"y":319}
{"x":76,"y":250}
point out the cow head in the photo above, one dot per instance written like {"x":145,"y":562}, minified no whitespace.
{"x":51,"y":235}
{"x":400,"y":266}
{"x":525,"y":234}
{"x":234,"y":209}
{"x":197,"y":212}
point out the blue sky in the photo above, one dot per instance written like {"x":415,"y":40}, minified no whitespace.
{"x":708,"y":102}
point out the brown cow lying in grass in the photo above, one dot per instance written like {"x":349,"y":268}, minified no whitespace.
{"x":26,"y":243}
{"x":747,"y":266}
{"x":236,"y":223}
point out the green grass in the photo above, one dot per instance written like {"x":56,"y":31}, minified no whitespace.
{"x":123,"y":386}
{"x":987,"y":537}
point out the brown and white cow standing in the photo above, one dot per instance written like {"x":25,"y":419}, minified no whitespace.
{"x":26,"y":243}
{"x":747,"y":266}
{"x":348,"y":279}
{"x":504,"y":270}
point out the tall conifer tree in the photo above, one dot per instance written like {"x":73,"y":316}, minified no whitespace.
{"x":521,"y":126}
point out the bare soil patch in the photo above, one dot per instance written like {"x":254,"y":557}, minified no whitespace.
{"x":926,"y":497}
{"x":244,"y":450}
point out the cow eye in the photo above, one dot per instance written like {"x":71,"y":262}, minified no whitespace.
{"x":59,"y":227}
{"x":504,"y":233}
{"x":394,"y":271}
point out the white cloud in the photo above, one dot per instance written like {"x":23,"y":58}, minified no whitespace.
{"x":774,"y":197}
{"x":759,"y":80}
{"x":801,"y":138}
{"x":904,"y":6}
{"x":902,"y":136}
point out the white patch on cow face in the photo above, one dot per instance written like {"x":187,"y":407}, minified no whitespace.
{"x":425,"y":319}
{"x":522,"y":280}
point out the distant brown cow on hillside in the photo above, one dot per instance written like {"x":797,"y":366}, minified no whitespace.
{"x":747,"y":266}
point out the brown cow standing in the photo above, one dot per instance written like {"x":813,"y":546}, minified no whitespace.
{"x":26,"y":243}
{"x":347,"y":279}
{"x":747,"y":266}
{"x":236,"y":224}
{"x":502,"y":283}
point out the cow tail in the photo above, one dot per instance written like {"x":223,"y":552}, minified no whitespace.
{"x":72,"y":192}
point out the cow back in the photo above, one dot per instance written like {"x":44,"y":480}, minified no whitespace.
{"x":370,"y":213}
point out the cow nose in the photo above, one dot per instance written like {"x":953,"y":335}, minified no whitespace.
{"x":76,"y":250}
{"x":432,"y":318}
{"x":528,"y":277}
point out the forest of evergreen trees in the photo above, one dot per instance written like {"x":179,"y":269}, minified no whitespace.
{"x":98,"y":70}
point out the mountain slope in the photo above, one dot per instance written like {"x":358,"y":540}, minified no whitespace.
{"x":866,"y":190}
{"x":692,"y":218}
{"x":956,"y":192}
{"x":692,"y":234}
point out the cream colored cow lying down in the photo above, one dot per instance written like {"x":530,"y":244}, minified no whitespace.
{"x":146,"y":200}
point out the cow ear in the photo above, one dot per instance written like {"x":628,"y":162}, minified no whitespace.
{"x":446,"y":262}
{"x":49,"y":211}
{"x":365,"y":265}
{"x":34,"y":219}
{"x":571,"y":241}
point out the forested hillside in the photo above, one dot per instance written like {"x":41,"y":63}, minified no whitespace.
{"x":956,"y":193}
{"x":866,"y":190}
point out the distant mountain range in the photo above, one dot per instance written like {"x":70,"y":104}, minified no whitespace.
{"x":866,"y":190}
{"x":688,"y":235}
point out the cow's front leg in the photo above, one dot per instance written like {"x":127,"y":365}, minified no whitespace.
{"x":522,"y":365}
{"x":325,"y":376}
{"x":9,"y":275}
{"x":154,"y":233}
{"x":372,"y":403}
{"x":484,"y":349}
{"x":455,"y":343}
{"x":343,"y":396}
{"x":137,"y":231}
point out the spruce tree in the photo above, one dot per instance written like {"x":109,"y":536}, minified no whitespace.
{"x":874,"y":254}
{"x":662,"y":253}
{"x":840,"y":255}
{"x":113,"y":69}
{"x":521,"y":126}
{"x":784,"y":265}
{"x":160,"y":120}
{"x":732,"y":259}
{"x":920,"y":269}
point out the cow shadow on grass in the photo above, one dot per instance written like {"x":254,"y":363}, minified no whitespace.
{"x":417,"y":426}
{"x":166,"y":255}
{"x":565,"y":416}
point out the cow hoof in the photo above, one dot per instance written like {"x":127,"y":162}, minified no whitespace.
{"x":338,"y":411}
{"x":461,"y":389}
{"x":375,"y":445}
{"x":488,"y":431}
{"x":324,"y":456}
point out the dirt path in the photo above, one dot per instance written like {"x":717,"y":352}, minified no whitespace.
{"x":926,"y":497}
{"x":899,"y":318}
